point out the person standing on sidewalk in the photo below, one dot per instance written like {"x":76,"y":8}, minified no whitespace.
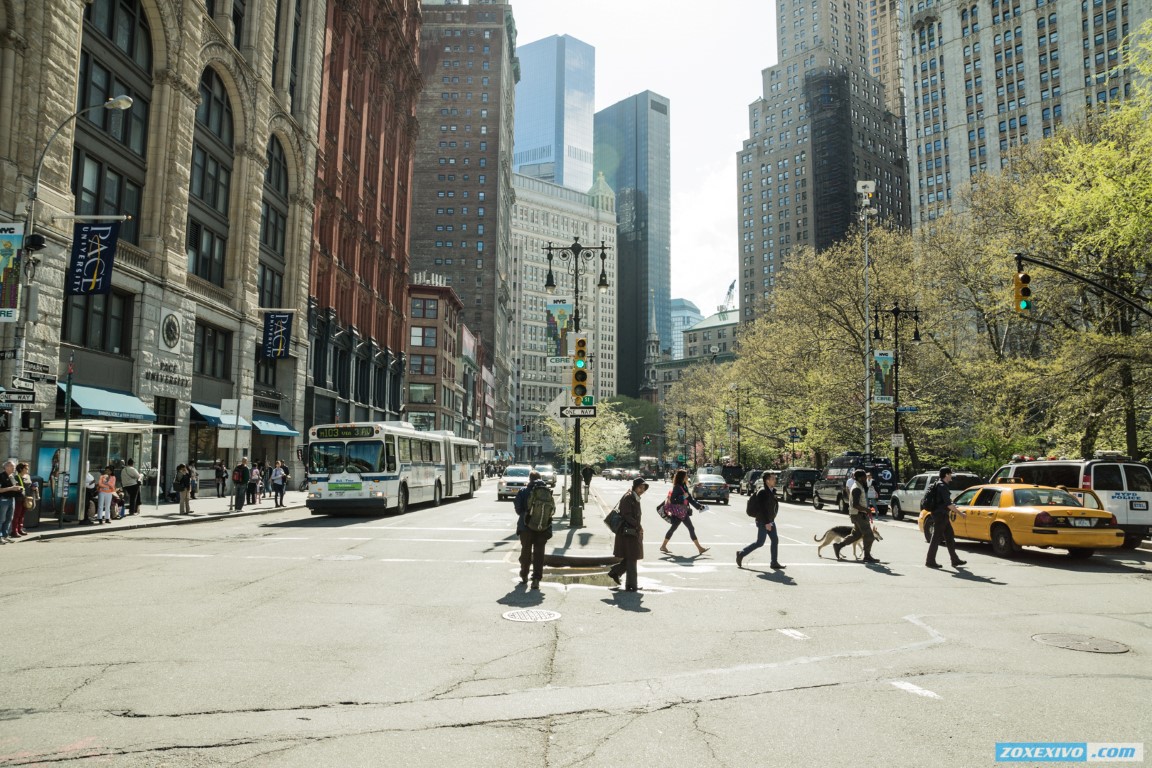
{"x":221,"y":477}
{"x":9,"y":495}
{"x":279,"y":480}
{"x":183,"y":487}
{"x":130,"y":482}
{"x":629,"y":545}
{"x":193,"y":480}
{"x":532,"y":541}
{"x":940,"y":502}
{"x":678,"y":506}
{"x":106,"y":489}
{"x":858,"y":512}
{"x":20,"y":505}
{"x":240,"y":475}
{"x":764,"y":506}
{"x":254,"y":484}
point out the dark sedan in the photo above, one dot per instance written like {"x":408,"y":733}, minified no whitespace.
{"x":710,"y":488}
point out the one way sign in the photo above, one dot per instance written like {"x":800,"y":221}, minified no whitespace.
{"x":571,"y":411}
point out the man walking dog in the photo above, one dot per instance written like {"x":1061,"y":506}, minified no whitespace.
{"x":858,"y":512}
{"x":763,"y":505}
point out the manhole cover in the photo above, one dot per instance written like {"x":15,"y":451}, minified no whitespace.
{"x":1082,"y":643}
{"x":337,"y":557}
{"x":531,"y":614}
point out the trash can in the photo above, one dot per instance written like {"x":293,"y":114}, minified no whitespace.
{"x":32,"y":516}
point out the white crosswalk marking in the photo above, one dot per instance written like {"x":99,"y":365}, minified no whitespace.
{"x":910,"y":688}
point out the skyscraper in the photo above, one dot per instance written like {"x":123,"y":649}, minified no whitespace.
{"x":1015,"y":71}
{"x":822,"y":124}
{"x":555,"y":103}
{"x":685,"y":314}
{"x":633,"y":153}
{"x":462,"y":182}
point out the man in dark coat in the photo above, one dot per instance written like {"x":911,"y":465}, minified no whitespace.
{"x":940,"y":502}
{"x":531,"y":542}
{"x":240,"y":476}
{"x":763,"y":505}
{"x":629,"y":545}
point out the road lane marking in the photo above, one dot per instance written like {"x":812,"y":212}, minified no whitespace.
{"x":910,"y":688}
{"x":793,"y":633}
{"x":166,"y":554}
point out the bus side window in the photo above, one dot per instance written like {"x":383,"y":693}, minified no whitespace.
{"x":405,"y":449}
{"x":390,"y":449}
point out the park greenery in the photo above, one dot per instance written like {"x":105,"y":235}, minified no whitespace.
{"x":1068,"y":378}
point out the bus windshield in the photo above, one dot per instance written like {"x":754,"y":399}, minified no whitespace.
{"x":367,"y":457}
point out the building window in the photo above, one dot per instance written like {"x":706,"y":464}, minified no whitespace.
{"x":422,"y":365}
{"x":211,"y":180}
{"x":212,"y":355}
{"x":101,"y":322}
{"x":422,"y":394}
{"x":274,"y":206}
{"x":424,"y":308}
{"x":422,"y":337}
{"x":265,"y":369}
{"x":270,"y":286}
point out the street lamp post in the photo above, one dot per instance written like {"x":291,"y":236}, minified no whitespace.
{"x":865,"y":190}
{"x":897,"y":312}
{"x":577,"y":257}
{"x":34,"y":241}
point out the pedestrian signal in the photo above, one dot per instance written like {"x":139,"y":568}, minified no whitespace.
{"x":1023,"y":292}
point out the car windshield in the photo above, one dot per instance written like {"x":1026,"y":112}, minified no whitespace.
{"x":517,"y":472}
{"x":710,"y":479}
{"x":1045,"y":497}
{"x":545,"y":468}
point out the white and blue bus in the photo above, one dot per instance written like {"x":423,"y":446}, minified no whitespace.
{"x":378,"y":467}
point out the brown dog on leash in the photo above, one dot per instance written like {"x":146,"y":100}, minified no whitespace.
{"x":837,"y":534}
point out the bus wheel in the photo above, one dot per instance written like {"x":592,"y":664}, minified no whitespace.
{"x":437,"y":496}
{"x":471,"y":489}
{"x":402,"y":500}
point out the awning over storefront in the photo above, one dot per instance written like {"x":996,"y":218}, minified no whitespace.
{"x":108,"y":403}
{"x":273,"y":426}
{"x":211,"y":414}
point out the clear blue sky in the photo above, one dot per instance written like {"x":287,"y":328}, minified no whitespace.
{"x":706,"y":58}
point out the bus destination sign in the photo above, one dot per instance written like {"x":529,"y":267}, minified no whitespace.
{"x":341,"y":432}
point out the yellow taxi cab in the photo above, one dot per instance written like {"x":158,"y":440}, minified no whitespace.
{"x":1014,"y":515}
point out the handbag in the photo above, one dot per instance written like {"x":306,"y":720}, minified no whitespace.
{"x":614,"y":520}
{"x":660,"y":510}
{"x":29,"y":502}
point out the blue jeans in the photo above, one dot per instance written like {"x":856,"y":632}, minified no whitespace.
{"x":762,"y":534}
{"x":7,"y":510}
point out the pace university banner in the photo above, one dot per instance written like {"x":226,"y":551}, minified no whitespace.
{"x":93,"y":252}
{"x":277,"y":334}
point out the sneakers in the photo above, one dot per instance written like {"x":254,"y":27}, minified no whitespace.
{"x":836,"y":548}
{"x":933,"y":565}
{"x":739,"y":559}
{"x":535,"y":584}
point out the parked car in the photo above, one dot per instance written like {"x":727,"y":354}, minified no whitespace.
{"x":514,"y":478}
{"x":1123,"y":485}
{"x":707,"y":487}
{"x":750,"y":482}
{"x":547,"y":474}
{"x":796,"y":483}
{"x":1011,"y":516}
{"x":612,"y":473}
{"x":829,"y":487}
{"x":733,"y":474}
{"x":907,"y":496}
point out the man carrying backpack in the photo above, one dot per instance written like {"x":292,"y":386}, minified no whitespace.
{"x":763,"y":505}
{"x":240,"y":476}
{"x":534,"y":510}
{"x":938,"y":500}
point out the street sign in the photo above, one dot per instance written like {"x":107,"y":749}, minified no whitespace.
{"x":554,"y":407}
{"x":908,"y":409}
{"x":795,"y":438}
{"x":7,"y":354}
{"x":49,"y":378}
{"x":31,"y":367}
{"x":19,"y":383}
{"x":572,"y":412}
{"x":17,"y":397}
{"x":898,"y":440}
{"x":561,"y":360}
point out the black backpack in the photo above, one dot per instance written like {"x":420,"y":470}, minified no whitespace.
{"x":928,"y":502}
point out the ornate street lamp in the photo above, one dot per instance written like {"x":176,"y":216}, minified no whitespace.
{"x":897,"y":312}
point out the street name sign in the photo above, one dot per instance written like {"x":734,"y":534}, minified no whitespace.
{"x":17,"y":397}
{"x":898,"y":440}
{"x":30,"y":367}
{"x":47,"y":378}
{"x":20,"y":383}
{"x":908,"y":409}
{"x":573,"y":412}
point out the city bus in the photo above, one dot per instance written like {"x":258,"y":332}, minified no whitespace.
{"x":378,"y":467}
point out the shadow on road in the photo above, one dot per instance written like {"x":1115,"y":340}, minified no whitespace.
{"x":969,"y":576}
{"x":321,"y":521}
{"x":522,"y":597}
{"x":777,"y":577}
{"x":627,"y":601}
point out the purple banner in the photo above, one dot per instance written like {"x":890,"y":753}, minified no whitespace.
{"x":277,"y":334}
{"x":90,"y":266}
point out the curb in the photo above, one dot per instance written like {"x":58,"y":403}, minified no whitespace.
{"x":133,"y":526}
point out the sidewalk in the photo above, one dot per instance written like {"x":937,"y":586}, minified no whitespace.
{"x":204,"y":509}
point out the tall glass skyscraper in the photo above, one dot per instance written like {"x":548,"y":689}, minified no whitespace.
{"x":633,"y":152}
{"x":555,"y":102}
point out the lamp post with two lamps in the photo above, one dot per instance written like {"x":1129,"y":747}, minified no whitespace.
{"x":34,"y":241}
{"x":897,"y":312}
{"x":577,"y":258}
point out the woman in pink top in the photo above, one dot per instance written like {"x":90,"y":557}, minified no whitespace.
{"x":105,"y":489}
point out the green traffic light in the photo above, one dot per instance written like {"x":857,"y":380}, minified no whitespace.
{"x":1025,"y":305}
{"x":580,"y":363}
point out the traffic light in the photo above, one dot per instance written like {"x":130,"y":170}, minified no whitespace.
{"x":581,"y":376}
{"x":647,"y":440}
{"x":1023,"y":292}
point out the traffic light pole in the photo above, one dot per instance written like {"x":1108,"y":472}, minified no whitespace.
{"x":1020,"y":258}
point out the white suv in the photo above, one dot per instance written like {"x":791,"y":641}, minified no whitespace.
{"x":1123,"y":485}
{"x":907,"y":496}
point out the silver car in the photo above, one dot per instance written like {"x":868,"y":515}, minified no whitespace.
{"x":514,"y":478}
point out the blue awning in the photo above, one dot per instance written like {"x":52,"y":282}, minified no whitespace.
{"x":211,"y":414}
{"x":273,"y":426}
{"x":108,"y":403}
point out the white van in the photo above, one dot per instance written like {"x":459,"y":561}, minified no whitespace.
{"x":1123,"y":485}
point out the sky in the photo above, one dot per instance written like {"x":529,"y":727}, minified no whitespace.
{"x":707,"y":59}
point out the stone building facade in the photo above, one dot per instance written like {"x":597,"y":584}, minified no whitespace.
{"x":214,"y":162}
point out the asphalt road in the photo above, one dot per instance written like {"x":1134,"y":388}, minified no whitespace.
{"x":290,"y":640}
